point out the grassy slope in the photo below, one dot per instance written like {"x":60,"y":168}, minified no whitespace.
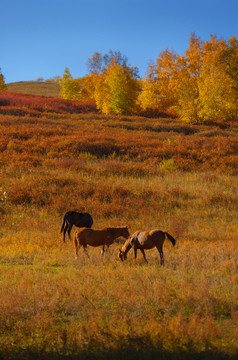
{"x":131,"y":171}
{"x":35,"y":88}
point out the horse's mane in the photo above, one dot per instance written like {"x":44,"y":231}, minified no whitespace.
{"x":116,"y":227}
{"x":115,"y":230}
{"x":126,"y":245}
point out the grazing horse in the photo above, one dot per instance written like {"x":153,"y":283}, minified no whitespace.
{"x":145,"y":240}
{"x":98,"y":237}
{"x":75,"y":218}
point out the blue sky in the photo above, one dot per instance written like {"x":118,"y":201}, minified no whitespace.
{"x":39,"y":38}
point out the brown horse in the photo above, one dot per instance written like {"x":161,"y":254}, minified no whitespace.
{"x":98,"y":237}
{"x":145,"y":240}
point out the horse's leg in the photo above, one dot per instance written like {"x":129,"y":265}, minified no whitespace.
{"x":135,"y":251}
{"x":161,"y":258}
{"x":65,"y":229}
{"x":159,"y":248}
{"x":142,"y":250}
{"x":102,"y":251}
{"x":85,"y":250}
{"x":69,"y":230}
{"x":77,"y":247}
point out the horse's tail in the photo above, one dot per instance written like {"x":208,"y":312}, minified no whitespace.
{"x":62,"y":227}
{"x":173,"y":241}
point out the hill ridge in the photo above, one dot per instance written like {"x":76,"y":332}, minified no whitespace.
{"x":34,"y":87}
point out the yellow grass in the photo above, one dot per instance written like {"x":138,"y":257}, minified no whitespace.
{"x":137,"y":172}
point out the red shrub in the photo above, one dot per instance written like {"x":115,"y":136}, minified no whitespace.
{"x":21,"y":104}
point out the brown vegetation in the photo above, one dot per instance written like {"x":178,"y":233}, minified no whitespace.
{"x":133,"y":171}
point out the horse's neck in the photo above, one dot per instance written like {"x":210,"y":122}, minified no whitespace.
{"x":115,"y":232}
{"x":127,"y":246}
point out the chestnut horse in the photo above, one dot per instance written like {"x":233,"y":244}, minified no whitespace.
{"x":145,"y":240}
{"x":98,"y":237}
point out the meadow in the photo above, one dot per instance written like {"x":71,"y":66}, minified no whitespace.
{"x":136,"y":171}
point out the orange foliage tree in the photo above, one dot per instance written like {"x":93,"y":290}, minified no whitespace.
{"x":199,"y":85}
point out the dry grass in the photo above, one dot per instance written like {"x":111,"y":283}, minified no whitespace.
{"x":131,"y":171}
{"x":35,"y":88}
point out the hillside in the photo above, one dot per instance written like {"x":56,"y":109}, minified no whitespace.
{"x":125,"y":171}
{"x":35,"y":88}
{"x":25,"y":104}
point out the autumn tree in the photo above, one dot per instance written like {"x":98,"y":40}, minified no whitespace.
{"x":98,"y":63}
{"x":116,"y":92}
{"x":186,"y":90}
{"x":186,"y":81}
{"x":3,"y":86}
{"x":158,"y":89}
{"x":217,"y":89}
{"x":70,"y":88}
{"x":200,"y":84}
{"x":123,"y":89}
{"x":111,"y":82}
{"x":88,"y":86}
{"x":230,"y":60}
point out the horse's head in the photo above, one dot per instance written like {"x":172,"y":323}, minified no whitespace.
{"x":122,"y":255}
{"x":125,"y":233}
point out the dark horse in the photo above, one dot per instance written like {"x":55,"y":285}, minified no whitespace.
{"x":145,"y":240}
{"x":98,"y":237}
{"x":75,"y":218}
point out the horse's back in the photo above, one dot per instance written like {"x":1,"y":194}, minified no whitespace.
{"x":80,"y":219}
{"x":156,"y":233}
{"x":148,"y":239}
{"x":92,"y":237}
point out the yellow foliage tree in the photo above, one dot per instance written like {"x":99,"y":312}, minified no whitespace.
{"x":3,"y":86}
{"x":158,"y":90}
{"x":199,"y":85}
{"x":217,"y":89}
{"x":116,"y":92}
{"x":186,"y":81}
{"x":230,"y":59}
{"x":89,"y":84}
{"x":186,"y":88}
{"x":102,"y":96}
{"x":70,"y":88}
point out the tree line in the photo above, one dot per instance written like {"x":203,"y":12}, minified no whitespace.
{"x":199,"y":85}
